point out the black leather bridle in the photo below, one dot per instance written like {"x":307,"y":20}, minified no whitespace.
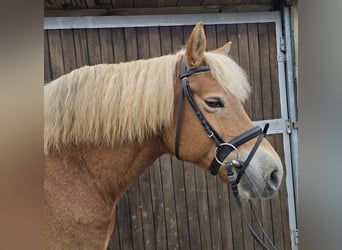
{"x":223,"y":149}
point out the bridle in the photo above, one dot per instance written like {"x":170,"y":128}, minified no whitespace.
{"x":223,"y":149}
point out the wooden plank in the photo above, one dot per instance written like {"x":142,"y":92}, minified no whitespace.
{"x":114,"y":242}
{"x":232,"y":36}
{"x":214,"y":212}
{"x":225,"y":216}
{"x":158,"y":205}
{"x":255,"y":78}
{"x":266,"y":91}
{"x":165,"y":40}
{"x":203,"y":208}
{"x":169,"y":202}
{"x":143,"y":43}
{"x":80,"y":39}
{"x":56,"y":53}
{"x":119,"y":45}
{"x":253,"y":44}
{"x":274,"y":71}
{"x":240,"y":235}
{"x":177,"y":39}
{"x":147,"y":210}
{"x":106,"y":46}
{"x":154,"y":41}
{"x":94,"y":50}
{"x":237,"y":231}
{"x":123,"y":224}
{"x":191,"y":202}
{"x":222,"y":188}
{"x":47,"y":63}
{"x":265,"y":73}
{"x":136,"y":217}
{"x":131,"y":44}
{"x":180,"y":200}
{"x":68,"y":45}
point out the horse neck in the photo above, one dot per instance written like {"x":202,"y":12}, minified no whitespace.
{"x":112,"y":170}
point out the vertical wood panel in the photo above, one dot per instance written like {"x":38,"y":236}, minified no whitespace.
{"x":106,"y":45}
{"x":253,"y":44}
{"x":81,"y":47}
{"x":256,"y":100}
{"x":56,"y":53}
{"x":178,"y":170}
{"x":123,"y":224}
{"x":158,"y":205}
{"x":143,"y":43}
{"x":214,"y":212}
{"x":265,"y":78}
{"x":222,"y":188}
{"x":94,"y":50}
{"x":69,"y":57}
{"x":119,"y":45}
{"x":154,"y":42}
{"x":266,"y":91}
{"x":203,"y":209}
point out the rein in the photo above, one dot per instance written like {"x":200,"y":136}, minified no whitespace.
{"x":223,"y":149}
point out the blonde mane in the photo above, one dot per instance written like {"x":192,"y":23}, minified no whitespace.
{"x":107,"y":104}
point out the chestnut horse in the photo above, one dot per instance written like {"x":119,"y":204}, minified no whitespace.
{"x":105,"y":124}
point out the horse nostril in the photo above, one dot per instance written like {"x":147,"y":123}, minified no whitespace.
{"x":274,"y":179}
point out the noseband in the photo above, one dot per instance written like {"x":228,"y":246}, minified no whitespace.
{"x":223,"y":149}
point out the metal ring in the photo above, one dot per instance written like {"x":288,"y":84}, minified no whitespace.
{"x":226,"y":144}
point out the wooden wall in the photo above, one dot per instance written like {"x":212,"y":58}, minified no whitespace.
{"x":175,"y":205}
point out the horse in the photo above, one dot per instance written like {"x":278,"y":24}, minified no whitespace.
{"x":105,"y":124}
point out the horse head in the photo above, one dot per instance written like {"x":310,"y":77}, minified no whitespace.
{"x":219,"y":94}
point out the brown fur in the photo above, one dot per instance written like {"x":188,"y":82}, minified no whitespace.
{"x":84,"y":178}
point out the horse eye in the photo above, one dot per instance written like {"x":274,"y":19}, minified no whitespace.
{"x":214,"y":103}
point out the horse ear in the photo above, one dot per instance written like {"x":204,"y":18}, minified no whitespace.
{"x":224,"y":49}
{"x":195,"y":47}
